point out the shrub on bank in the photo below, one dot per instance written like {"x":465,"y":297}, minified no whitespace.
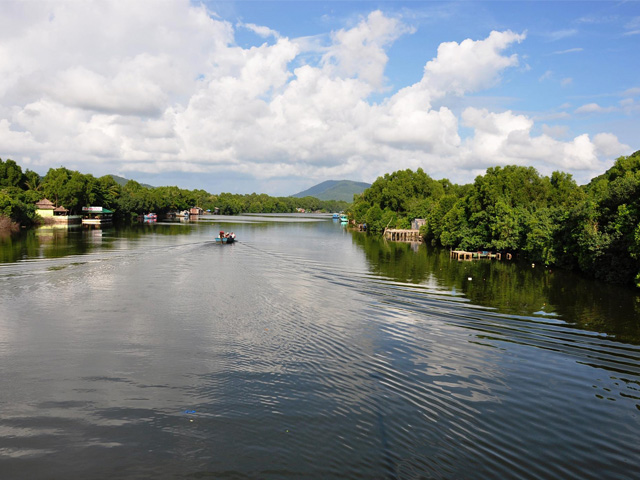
{"x":7,"y":226}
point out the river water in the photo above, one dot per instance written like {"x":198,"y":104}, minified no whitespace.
{"x":305,"y":351}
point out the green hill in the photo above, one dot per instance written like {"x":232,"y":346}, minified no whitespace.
{"x":121,"y":181}
{"x":334,"y":190}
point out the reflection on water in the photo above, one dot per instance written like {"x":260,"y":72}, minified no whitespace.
{"x":305,"y":351}
{"x":512,"y":288}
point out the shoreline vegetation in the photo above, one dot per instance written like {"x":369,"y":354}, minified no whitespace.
{"x":19,"y":192}
{"x":551,"y":221}
{"x":7,"y":226}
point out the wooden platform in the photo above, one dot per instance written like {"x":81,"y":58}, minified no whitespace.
{"x":462,"y":255}
{"x":396,"y":235}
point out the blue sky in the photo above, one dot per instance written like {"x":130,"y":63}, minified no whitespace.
{"x":274,"y":97}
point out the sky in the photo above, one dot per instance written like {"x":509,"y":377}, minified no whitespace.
{"x":275,"y":97}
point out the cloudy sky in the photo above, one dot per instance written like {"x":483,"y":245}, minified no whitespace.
{"x":274,"y":97}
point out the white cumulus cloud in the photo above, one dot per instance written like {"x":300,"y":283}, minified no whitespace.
{"x":471,"y":65}
{"x":360,"y":51}
{"x":116,"y":87}
{"x":506,"y":138}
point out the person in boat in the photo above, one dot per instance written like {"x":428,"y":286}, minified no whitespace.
{"x":221,"y":233}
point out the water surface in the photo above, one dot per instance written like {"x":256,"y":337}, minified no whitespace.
{"x":305,"y":351}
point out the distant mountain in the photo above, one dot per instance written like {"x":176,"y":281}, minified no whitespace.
{"x":334,"y":190}
{"x":121,"y":181}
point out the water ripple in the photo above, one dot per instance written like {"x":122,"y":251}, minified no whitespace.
{"x":257,"y":360}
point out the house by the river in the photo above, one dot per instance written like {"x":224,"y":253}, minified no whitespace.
{"x":53,"y":215}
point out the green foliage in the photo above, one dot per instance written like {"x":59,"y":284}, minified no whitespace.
{"x":396,"y":190}
{"x":373,"y":217}
{"x":68,"y":188}
{"x":11,"y":174}
{"x":538,"y":244}
{"x":13,"y":206}
{"x":402,"y":195}
{"x":606,"y":233}
{"x":547,"y":220}
{"x":134,"y":199}
{"x":16,"y":204}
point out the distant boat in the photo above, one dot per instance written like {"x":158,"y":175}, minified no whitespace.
{"x":225,"y":237}
{"x":336,"y":215}
{"x":344,"y":219}
{"x":151,"y":217}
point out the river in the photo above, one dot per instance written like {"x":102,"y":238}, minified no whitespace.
{"x":306,"y":351}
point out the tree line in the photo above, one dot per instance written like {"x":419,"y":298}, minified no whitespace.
{"x":19,"y":191}
{"x":593,"y":228}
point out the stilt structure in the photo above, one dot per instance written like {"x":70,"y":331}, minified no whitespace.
{"x":403,"y":235}
{"x":462,"y":255}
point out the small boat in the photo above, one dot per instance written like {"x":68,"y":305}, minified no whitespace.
{"x":151,"y":216}
{"x":344,"y":219}
{"x":336,"y":215}
{"x":225,"y":237}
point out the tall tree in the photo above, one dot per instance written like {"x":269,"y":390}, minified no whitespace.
{"x":11,"y":174}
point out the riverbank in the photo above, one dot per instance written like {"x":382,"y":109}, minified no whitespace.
{"x":549,"y":220}
{"x":7,"y":227}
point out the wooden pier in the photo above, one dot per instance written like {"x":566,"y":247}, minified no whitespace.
{"x":462,"y":255}
{"x":396,"y":235}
